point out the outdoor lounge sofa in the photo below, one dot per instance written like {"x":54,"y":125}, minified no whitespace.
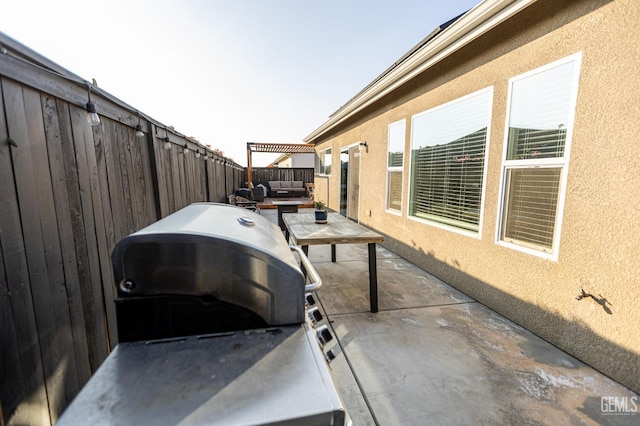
{"x":284,"y":188}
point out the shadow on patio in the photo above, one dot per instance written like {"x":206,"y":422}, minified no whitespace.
{"x":434,"y":355}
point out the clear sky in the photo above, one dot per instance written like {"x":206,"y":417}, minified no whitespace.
{"x":229,"y":71}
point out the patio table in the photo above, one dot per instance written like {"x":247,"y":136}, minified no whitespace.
{"x":303,"y":231}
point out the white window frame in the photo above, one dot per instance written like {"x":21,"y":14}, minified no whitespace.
{"x":322,"y":161}
{"x":469,"y":233}
{"x":559,"y":162}
{"x":395,"y":169}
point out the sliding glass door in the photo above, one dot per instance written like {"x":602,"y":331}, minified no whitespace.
{"x":350,"y":182}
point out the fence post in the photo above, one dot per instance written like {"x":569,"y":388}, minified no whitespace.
{"x":154,"y":169}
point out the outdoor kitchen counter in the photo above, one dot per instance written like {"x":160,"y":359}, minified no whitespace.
{"x":303,"y":231}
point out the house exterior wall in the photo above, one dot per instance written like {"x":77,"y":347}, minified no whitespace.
{"x":600,"y":240}
{"x":297,"y":160}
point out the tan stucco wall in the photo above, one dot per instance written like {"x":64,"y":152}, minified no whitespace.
{"x":600,"y":240}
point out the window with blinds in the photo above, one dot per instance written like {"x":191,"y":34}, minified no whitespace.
{"x":448,"y":154}
{"x":324,"y":162}
{"x":542,"y":103}
{"x":395,"y":163}
{"x":394,"y":189}
{"x":532,"y":194}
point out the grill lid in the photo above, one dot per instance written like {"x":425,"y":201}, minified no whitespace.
{"x":214,"y":250}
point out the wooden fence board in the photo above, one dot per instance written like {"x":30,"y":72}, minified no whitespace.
{"x":101,"y":140}
{"x":148,"y":150}
{"x":164,"y":176}
{"x":138,"y":186}
{"x":59,"y":362}
{"x":122,"y":166}
{"x":194,"y":177}
{"x":58,"y":132}
{"x":91,"y":281}
{"x":187,"y":174}
{"x":95,"y":203}
{"x":120,"y":223}
{"x":214,"y":195}
{"x":23,"y":388}
{"x":217,"y":181}
{"x":198,"y":180}
{"x":12,"y":385}
{"x":25,"y":182}
{"x":220,"y":182}
{"x":211,"y":173}
{"x":103,"y":249}
{"x":174,"y":184}
{"x":182,"y":183}
{"x":147,"y":172}
{"x":210,"y":176}
{"x":160,"y":171}
{"x":229,"y":182}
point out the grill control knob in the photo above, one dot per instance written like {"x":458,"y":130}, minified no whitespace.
{"x":330,"y":355}
{"x":324,"y":335}
{"x":314,"y":314}
{"x":310,"y":299}
{"x":127,"y":286}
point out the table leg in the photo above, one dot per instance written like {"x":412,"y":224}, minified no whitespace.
{"x":285,"y":208}
{"x":373,"y":278}
{"x":333,"y":253}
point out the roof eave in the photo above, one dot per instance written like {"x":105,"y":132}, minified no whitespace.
{"x":477,"y":21}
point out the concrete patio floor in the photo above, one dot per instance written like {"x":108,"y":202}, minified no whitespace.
{"x":432,"y":355}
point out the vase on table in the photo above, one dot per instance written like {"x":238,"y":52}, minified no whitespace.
{"x":321,"y":211}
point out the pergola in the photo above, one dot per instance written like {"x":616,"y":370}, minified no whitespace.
{"x":276,"y":148}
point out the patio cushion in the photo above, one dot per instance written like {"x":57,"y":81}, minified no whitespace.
{"x":274,"y":185}
{"x":297,"y":184}
{"x":285,"y":184}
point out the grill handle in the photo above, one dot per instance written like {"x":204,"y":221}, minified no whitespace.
{"x":316,"y":281}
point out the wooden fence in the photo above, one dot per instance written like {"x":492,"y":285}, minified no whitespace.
{"x":68,"y":193}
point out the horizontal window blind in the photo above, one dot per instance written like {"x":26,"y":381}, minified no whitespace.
{"x":394,"y":198}
{"x":395,"y":159}
{"x":526,"y":144}
{"x":448,"y":154}
{"x":447,"y":181}
{"x":532,"y":200}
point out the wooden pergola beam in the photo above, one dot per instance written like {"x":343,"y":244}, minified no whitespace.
{"x":276,"y":148}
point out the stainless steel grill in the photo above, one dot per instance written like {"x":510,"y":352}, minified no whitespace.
{"x":213,"y":329}
{"x":206,"y":268}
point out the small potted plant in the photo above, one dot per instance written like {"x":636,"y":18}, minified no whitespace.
{"x":321,"y":211}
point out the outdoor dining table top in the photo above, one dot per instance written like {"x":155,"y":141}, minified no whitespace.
{"x":338,"y":230}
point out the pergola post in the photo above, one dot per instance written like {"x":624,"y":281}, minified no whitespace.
{"x":249,"y":180}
